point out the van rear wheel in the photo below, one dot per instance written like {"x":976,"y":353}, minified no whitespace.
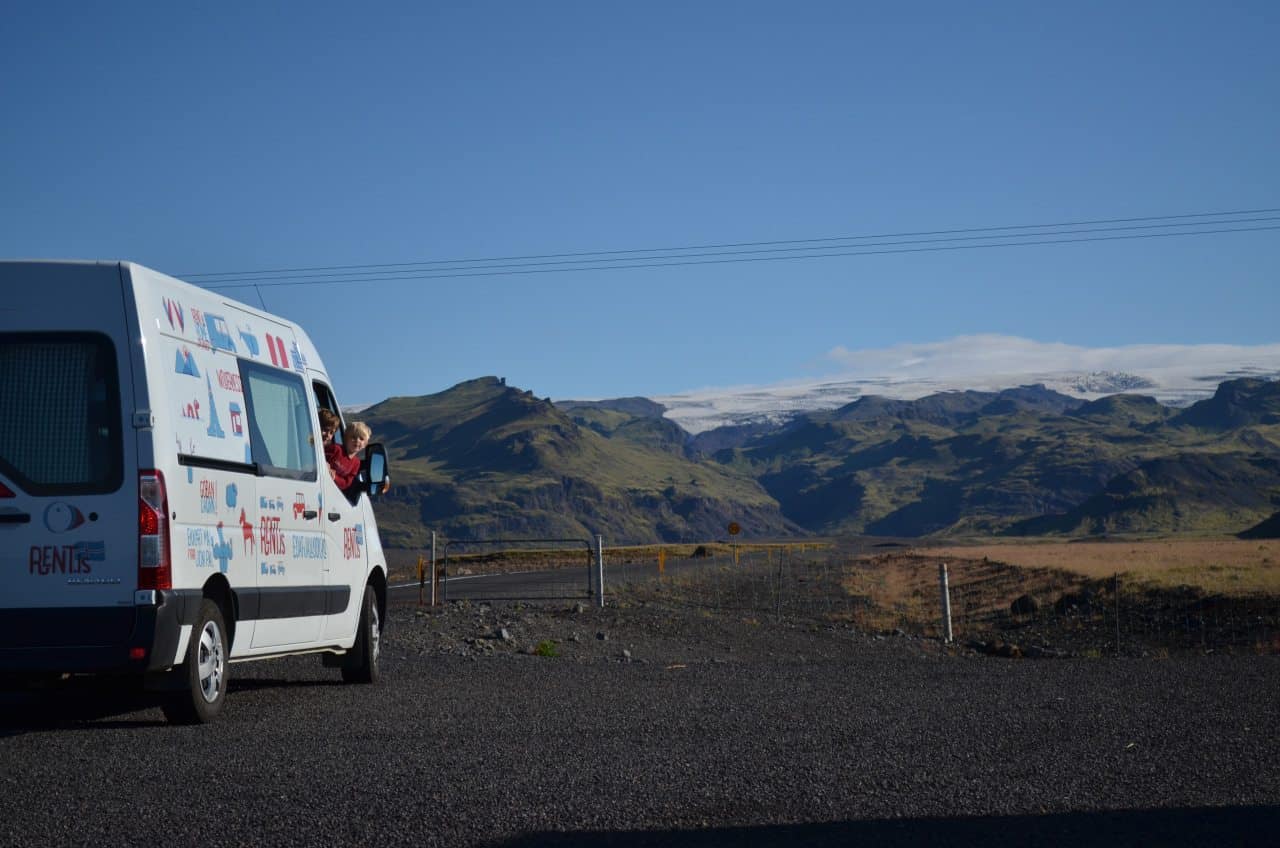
{"x":204,"y":674}
{"x":361,"y":662}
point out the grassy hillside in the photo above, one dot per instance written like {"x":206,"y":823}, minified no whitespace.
{"x":485,"y":460}
{"x":1025,"y":461}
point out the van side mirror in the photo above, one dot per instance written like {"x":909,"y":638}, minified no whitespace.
{"x":375,"y":468}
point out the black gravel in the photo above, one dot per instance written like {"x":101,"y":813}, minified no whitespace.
{"x":649,"y":725}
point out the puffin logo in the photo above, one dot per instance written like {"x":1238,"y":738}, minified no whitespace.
{"x":60,"y":517}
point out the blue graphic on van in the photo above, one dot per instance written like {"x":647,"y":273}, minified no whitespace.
{"x":91,"y":551}
{"x":250,"y":342}
{"x":60,"y":517}
{"x":232,"y":491}
{"x":237,"y":420}
{"x":215,"y":429}
{"x":219,"y":335}
{"x":299,"y":361}
{"x":185,"y":363}
{"x":222,"y":551}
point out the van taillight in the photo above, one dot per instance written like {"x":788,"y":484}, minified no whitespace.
{"x":155,"y":569}
{"x":6,"y":492}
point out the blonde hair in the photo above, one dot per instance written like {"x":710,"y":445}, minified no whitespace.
{"x":358,"y":429}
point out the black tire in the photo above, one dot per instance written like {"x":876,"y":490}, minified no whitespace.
{"x":204,"y":674}
{"x":361,"y":662}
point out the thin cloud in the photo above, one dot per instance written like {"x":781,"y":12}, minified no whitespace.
{"x":1175,"y":374}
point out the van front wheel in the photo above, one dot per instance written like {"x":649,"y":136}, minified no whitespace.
{"x":361,"y":662}
{"x":204,"y":674}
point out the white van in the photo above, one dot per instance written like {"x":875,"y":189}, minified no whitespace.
{"x":165,"y":504}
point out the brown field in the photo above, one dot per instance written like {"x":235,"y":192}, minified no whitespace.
{"x":1223,"y":566}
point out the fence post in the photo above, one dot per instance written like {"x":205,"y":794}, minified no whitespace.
{"x":600,"y":570}
{"x":435,"y":575}
{"x":946,"y":602}
{"x":1117,"y":587}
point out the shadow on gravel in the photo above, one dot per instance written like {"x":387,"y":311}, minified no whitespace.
{"x":249,"y":684}
{"x":104,"y":703}
{"x":1236,"y":826}
{"x":77,"y":705}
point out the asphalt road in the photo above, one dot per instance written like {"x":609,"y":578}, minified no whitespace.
{"x":717,"y":732}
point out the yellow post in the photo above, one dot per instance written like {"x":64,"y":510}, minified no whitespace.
{"x":662,"y":561}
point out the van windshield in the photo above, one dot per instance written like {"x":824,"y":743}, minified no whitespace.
{"x":60,"y":413}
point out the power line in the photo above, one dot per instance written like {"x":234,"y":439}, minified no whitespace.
{"x":373,"y":276}
{"x":524,"y":270}
{"x":747,"y":244}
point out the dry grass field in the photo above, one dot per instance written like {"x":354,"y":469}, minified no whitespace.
{"x":1161,"y":593}
{"x":1223,"y":566}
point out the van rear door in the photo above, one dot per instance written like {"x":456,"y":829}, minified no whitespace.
{"x":68,"y":502}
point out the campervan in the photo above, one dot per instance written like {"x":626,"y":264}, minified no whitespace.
{"x":165,"y":505}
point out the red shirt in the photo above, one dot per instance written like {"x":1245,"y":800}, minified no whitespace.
{"x":345,"y":468}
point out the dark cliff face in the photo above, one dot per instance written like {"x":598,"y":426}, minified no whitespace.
{"x":1236,"y":403}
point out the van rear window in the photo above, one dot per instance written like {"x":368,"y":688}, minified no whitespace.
{"x":60,"y":413}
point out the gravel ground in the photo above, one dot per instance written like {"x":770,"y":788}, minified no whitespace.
{"x":658,"y":725}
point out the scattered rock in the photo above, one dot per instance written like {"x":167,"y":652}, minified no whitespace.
{"x":1024,"y":605}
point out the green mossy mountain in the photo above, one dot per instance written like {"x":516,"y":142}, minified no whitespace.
{"x":486,"y":460}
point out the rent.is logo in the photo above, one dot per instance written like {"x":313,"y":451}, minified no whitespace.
{"x":352,"y":541}
{"x":65,"y":559}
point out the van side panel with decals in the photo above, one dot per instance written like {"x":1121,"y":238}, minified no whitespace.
{"x":164,"y":499}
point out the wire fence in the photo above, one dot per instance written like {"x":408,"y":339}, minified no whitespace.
{"x":995,"y":608}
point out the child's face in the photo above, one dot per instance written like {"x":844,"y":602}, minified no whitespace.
{"x":326,"y":434}
{"x":354,"y":444}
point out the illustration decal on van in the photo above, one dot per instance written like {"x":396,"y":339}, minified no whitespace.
{"x":60,"y":517}
{"x":299,"y":505}
{"x":208,"y":497}
{"x":270,"y":537}
{"x":191,"y":410}
{"x":215,"y":429}
{"x":219,"y":335}
{"x":202,"y":332}
{"x":250,"y":342}
{"x":222,"y":551}
{"x":275,"y":347}
{"x":273,"y":568}
{"x":230,"y":381}
{"x":309,"y":547}
{"x":237,"y":420}
{"x":299,"y":361}
{"x":186,"y":363}
{"x":246,"y":529}
{"x":173,"y":310}
{"x":65,"y":559}
{"x":232,"y":493}
{"x":352,"y":540}
{"x":273,"y":504}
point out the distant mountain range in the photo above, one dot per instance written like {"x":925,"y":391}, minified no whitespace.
{"x":487,"y":460}
{"x":699,"y":411}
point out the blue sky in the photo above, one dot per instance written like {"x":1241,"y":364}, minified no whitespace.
{"x":240,"y":137}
